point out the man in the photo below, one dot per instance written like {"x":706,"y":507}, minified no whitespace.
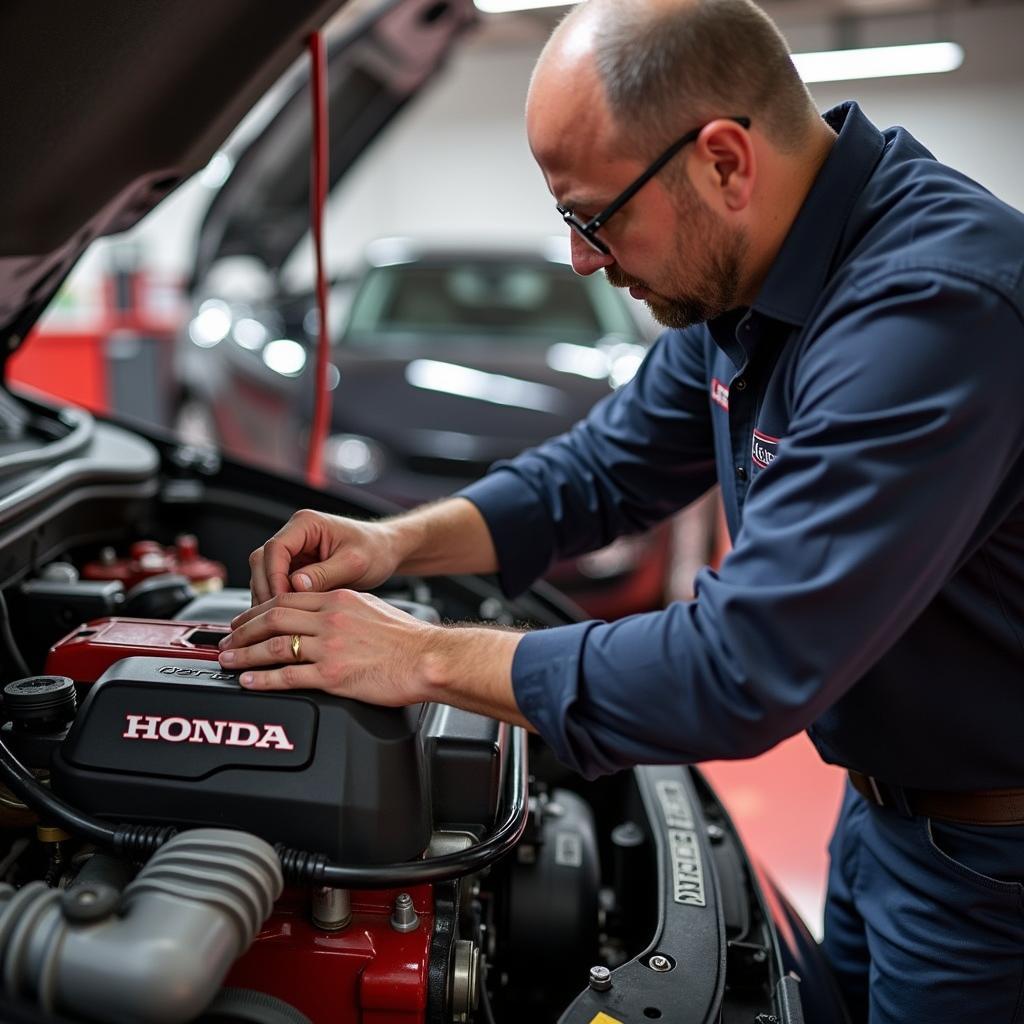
{"x":846,"y":359}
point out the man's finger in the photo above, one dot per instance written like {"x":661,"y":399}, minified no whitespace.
{"x":258,"y":584}
{"x":291,"y":613}
{"x":280,"y":552}
{"x":290,"y":677}
{"x":275,"y":650}
{"x":307,"y":602}
{"x":310,"y":578}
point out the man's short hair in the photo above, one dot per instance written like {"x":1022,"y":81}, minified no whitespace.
{"x":667,"y":68}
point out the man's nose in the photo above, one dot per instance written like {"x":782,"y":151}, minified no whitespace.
{"x":586,"y":261}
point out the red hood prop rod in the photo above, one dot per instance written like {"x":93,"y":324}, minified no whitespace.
{"x":317,"y":199}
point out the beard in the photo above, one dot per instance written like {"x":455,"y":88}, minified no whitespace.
{"x":717,"y":268}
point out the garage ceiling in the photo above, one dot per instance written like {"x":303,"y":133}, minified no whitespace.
{"x":535,"y":25}
{"x":818,"y":10}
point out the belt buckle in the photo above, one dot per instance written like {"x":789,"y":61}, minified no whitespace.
{"x":891,"y":797}
{"x":879,"y":799}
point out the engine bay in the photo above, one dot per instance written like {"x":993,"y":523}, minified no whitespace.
{"x":175,"y":848}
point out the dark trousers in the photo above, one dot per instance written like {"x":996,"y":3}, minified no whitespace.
{"x":924,"y":920}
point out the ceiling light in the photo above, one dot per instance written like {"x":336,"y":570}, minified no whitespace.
{"x":823,"y":66}
{"x":878,"y":62}
{"x":501,"y":6}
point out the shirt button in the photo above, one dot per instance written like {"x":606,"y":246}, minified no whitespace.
{"x":741,"y":473}
{"x":740,"y":384}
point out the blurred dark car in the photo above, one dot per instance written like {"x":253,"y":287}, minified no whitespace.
{"x":446,"y":358}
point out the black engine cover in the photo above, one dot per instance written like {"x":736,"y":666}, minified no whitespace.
{"x":180,"y":742}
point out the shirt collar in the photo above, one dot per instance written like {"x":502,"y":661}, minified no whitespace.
{"x":803,"y":264}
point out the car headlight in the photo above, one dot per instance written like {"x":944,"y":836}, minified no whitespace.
{"x":353,"y":459}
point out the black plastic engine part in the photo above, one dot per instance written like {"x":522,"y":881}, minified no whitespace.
{"x":158,"y":597}
{"x":49,"y":608}
{"x":40,"y":709}
{"x":181,"y":743}
{"x":303,"y":868}
{"x":466,"y":758}
{"x":224,"y":605}
{"x":218,"y":606}
{"x":549,"y":934}
{"x":139,"y":842}
{"x":40,"y":703}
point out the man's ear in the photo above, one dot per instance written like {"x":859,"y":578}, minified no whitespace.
{"x":727,"y":163}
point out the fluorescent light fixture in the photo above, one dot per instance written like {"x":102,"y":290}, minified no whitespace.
{"x":501,"y":6}
{"x":879,"y":62}
{"x":823,"y":66}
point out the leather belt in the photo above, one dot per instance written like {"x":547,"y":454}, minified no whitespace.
{"x":982,"y":807}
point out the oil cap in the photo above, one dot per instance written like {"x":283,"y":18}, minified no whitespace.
{"x":40,"y":703}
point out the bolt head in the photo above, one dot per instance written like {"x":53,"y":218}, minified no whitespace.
{"x":600,"y":979}
{"x":715,"y":833}
{"x":404,"y":917}
{"x":659,"y":963}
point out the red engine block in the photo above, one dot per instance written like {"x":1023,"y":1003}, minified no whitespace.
{"x":367,"y":972}
{"x":88,"y":651}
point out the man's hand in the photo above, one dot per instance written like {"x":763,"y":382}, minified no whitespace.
{"x":351,"y":645}
{"x":356,"y":645}
{"x":317,"y":552}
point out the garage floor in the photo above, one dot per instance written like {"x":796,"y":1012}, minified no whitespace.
{"x":785,"y":803}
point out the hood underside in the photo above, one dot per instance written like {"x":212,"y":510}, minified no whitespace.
{"x":374,"y":69}
{"x":106,"y":107}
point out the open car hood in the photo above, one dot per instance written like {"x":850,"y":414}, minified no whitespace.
{"x":374,"y":69}
{"x":106,"y":108}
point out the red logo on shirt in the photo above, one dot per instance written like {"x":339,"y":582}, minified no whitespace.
{"x":719,"y":393}
{"x":763,"y":449}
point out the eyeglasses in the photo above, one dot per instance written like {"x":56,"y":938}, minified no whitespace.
{"x":588,"y":230}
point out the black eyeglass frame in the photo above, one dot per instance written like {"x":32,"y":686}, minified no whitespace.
{"x":588,"y":230}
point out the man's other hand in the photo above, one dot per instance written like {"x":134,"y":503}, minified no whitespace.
{"x":317,"y":552}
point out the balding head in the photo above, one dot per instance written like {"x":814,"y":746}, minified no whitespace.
{"x":660,"y":66}
{"x":566,"y":101}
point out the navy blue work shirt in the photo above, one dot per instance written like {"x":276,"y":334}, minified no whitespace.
{"x":865,"y":418}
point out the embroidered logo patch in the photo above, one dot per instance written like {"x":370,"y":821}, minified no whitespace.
{"x":719,"y":393}
{"x":763,"y":449}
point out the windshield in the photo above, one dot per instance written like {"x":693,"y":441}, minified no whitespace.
{"x":533,"y":301}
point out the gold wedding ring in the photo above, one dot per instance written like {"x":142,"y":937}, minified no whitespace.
{"x":296,"y":647}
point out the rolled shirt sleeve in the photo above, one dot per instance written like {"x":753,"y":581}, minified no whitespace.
{"x":903,"y":453}
{"x":643,"y":453}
